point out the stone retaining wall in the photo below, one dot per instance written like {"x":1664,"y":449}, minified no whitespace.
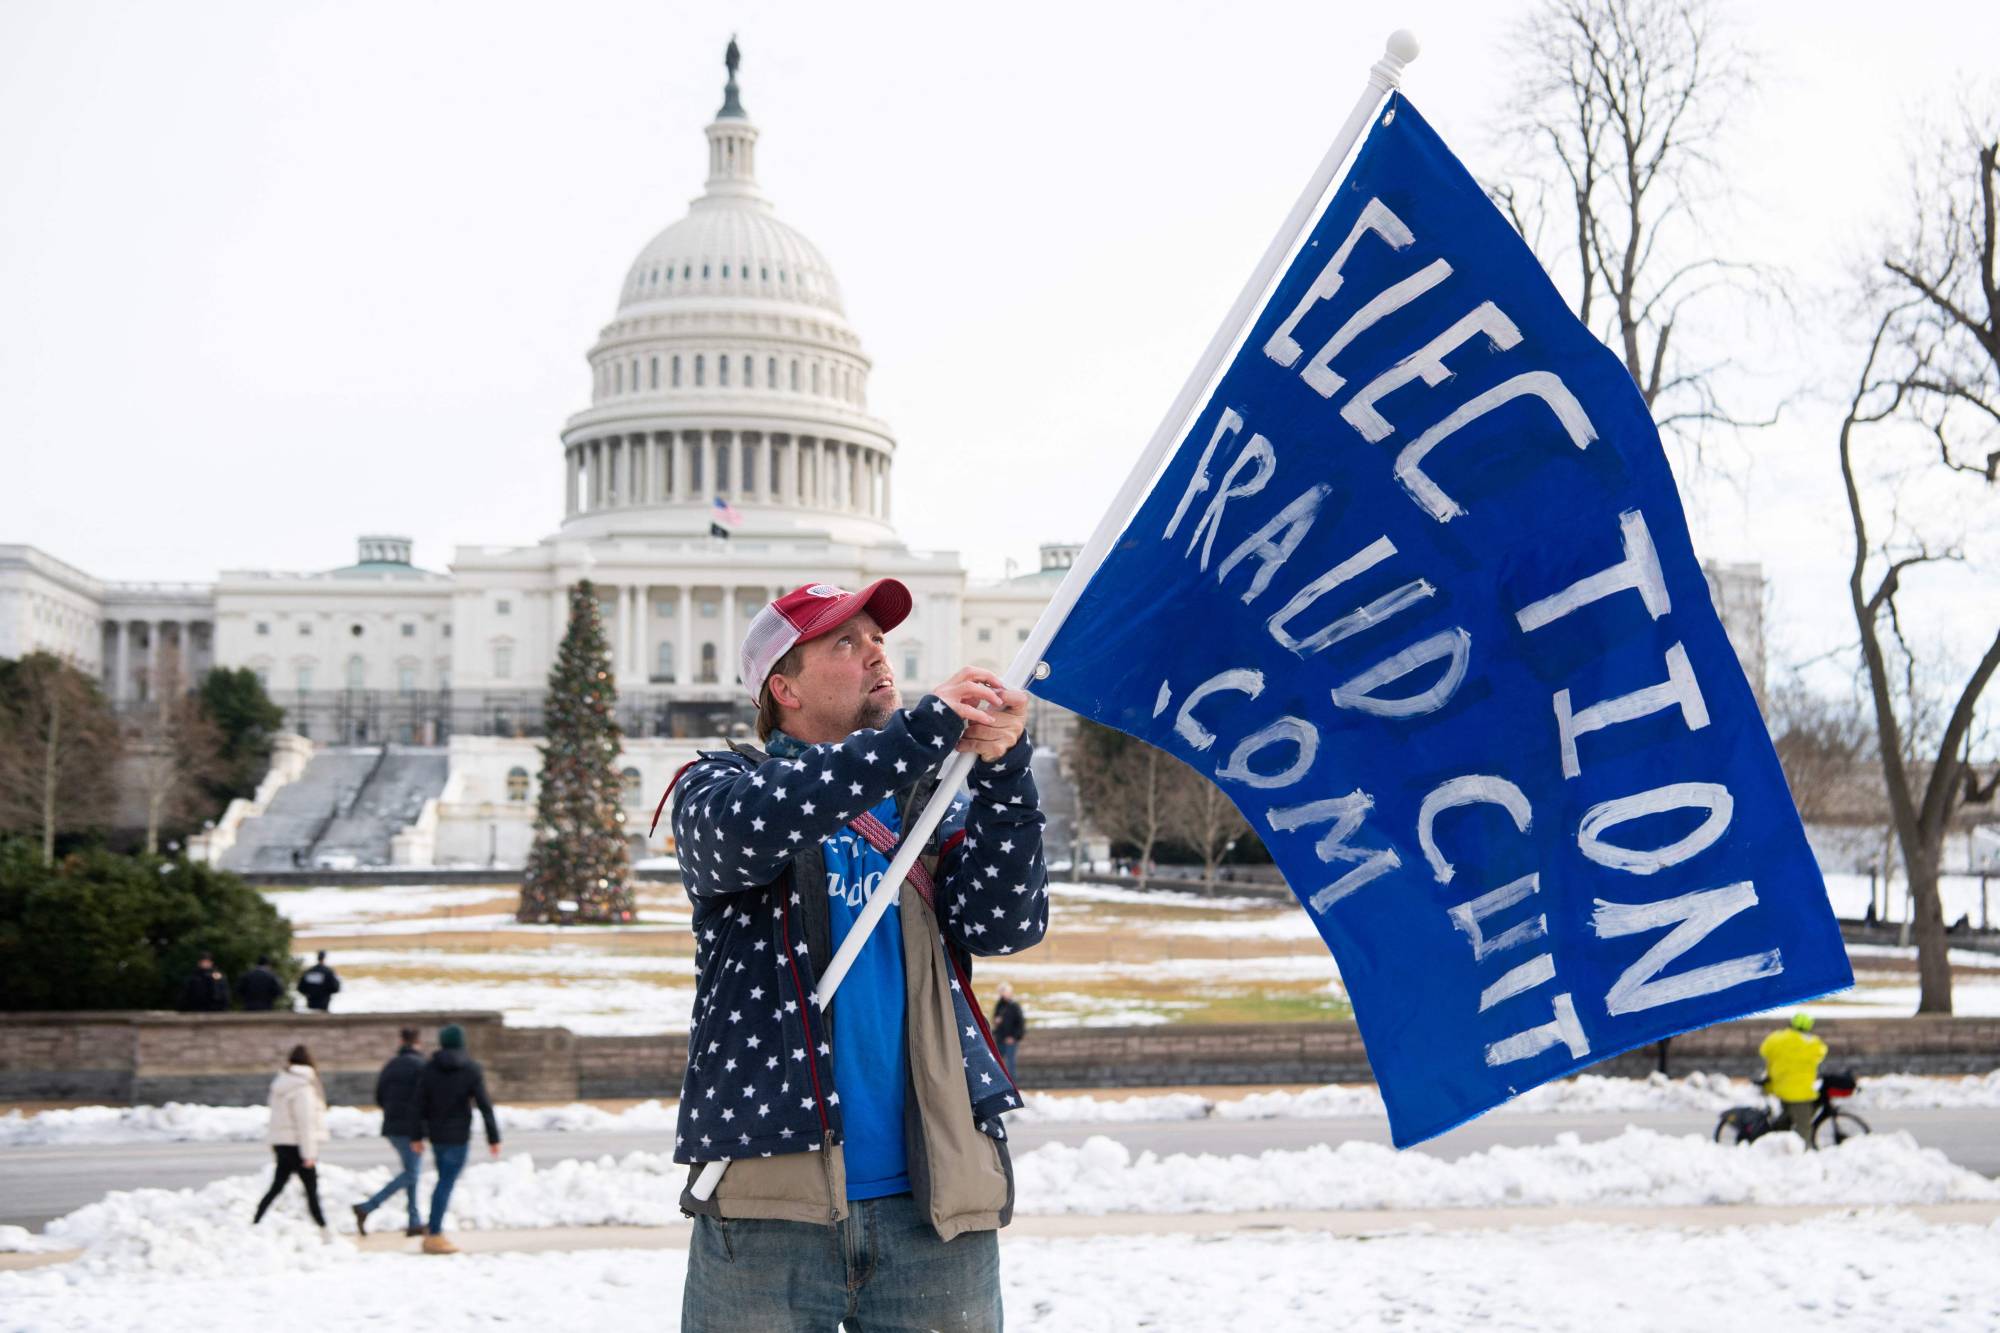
{"x":148,"y":1058}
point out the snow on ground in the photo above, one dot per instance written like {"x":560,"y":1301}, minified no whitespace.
{"x":594,"y":1007}
{"x":1582,"y":1094}
{"x":318,"y":909}
{"x":1874,"y":1270}
{"x":183,"y":1122}
{"x":1063,"y":891}
{"x":1639,"y":1167}
{"x":196,"y":1232}
{"x":1957,"y":894}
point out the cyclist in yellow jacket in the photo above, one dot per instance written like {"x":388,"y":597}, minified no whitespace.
{"x":1791,"y":1060}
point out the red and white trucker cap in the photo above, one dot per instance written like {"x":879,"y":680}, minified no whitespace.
{"x":810,"y":611}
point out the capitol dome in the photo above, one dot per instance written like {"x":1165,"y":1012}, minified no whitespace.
{"x":729,"y":373}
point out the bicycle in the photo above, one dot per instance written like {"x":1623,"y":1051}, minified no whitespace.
{"x":1831,"y":1124}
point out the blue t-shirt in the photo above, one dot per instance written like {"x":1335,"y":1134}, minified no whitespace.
{"x":871,"y":1066}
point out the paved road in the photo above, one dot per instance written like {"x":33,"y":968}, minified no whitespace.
{"x":38,"y":1183}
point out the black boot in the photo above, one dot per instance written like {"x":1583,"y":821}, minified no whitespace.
{"x":360,"y":1220}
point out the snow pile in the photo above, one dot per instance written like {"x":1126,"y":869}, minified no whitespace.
{"x":20,"y":1240}
{"x":206,"y":1231}
{"x":1866,"y":1270}
{"x":1639,"y":1167}
{"x":184,"y":1122}
{"x":1038,"y":1107}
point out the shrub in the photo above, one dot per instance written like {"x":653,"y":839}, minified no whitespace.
{"x":101,"y":931}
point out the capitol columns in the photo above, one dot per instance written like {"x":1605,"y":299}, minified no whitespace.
{"x":684,"y":659}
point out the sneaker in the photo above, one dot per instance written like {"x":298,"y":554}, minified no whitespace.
{"x":360,"y":1220}
{"x":435,"y":1244}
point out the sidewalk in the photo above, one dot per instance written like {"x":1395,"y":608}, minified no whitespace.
{"x":1074,"y":1225}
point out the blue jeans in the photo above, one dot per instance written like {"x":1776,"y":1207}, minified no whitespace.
{"x":1007,"y":1049}
{"x":450,"y":1161}
{"x":883,"y":1270}
{"x":406,"y":1180}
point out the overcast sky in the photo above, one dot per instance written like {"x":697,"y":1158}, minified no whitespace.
{"x":273,"y":275}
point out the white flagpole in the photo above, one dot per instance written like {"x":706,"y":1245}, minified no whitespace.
{"x":1383,"y":78}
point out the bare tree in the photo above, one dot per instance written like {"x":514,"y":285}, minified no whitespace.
{"x":1205,"y":821}
{"x":58,"y":744}
{"x":175,"y":751}
{"x":1930,"y":383}
{"x":1821,"y":742}
{"x":1621,"y":104}
{"x":1123,"y":788}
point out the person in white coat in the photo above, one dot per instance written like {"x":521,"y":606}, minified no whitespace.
{"x":298,"y":1128}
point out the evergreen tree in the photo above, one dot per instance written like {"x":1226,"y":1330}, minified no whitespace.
{"x":579,"y":854}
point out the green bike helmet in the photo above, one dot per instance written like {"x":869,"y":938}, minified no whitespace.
{"x":1802,"y":1021}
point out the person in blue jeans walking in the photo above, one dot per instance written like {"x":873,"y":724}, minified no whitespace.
{"x":393,"y":1087}
{"x":440,"y":1110}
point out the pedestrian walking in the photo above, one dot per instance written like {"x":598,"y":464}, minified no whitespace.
{"x":1009,"y":1025}
{"x":319,"y":984}
{"x":394,"y":1087}
{"x":259,"y":988}
{"x":298,"y":1128}
{"x":440,"y":1110}
{"x":206,"y":990}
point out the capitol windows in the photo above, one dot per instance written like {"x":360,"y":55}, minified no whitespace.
{"x":263,"y":676}
{"x":749,"y":373}
{"x":771,"y":373}
{"x":708,"y":609}
{"x":697,"y":370}
{"x":618,"y":378}
{"x":406,"y":678}
{"x":677,"y":373}
{"x":913,"y":657}
{"x":303,"y":678}
{"x":795,"y":376}
{"x":357,"y":672}
{"x":517,"y":783}
{"x":725,"y":270}
{"x":663,"y":662}
{"x":503,"y":607}
{"x":764,"y":274}
{"x":305,"y":629}
{"x":263,"y":629}
{"x":815,"y":377}
{"x":722,"y":371}
{"x":445,"y":629}
{"x":707,"y":676}
{"x":985,"y":634}
{"x":409,"y":630}
{"x":503,"y":661}
{"x":704,"y":270}
{"x":653,"y":374}
{"x":354,"y":630}
{"x":628,"y":784}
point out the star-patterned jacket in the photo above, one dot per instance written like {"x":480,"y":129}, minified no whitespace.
{"x":759,"y":1077}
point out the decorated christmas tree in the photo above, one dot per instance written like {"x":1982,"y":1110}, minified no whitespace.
{"x":578,"y":867}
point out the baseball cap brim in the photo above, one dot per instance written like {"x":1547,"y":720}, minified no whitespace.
{"x":887,"y":600}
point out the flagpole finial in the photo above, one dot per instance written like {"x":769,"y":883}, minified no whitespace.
{"x":1401,"y":48}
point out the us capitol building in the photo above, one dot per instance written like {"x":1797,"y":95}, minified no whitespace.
{"x":728,"y":374}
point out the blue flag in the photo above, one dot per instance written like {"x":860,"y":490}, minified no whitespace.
{"x":1416,"y":591}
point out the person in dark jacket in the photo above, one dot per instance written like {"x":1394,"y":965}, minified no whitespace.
{"x":259,"y":988}
{"x":206,"y":990}
{"x":1009,"y":1024}
{"x":393,"y":1089}
{"x":319,"y":984}
{"x":439,"y":1108}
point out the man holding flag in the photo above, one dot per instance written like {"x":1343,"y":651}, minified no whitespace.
{"x":868,"y":1170}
